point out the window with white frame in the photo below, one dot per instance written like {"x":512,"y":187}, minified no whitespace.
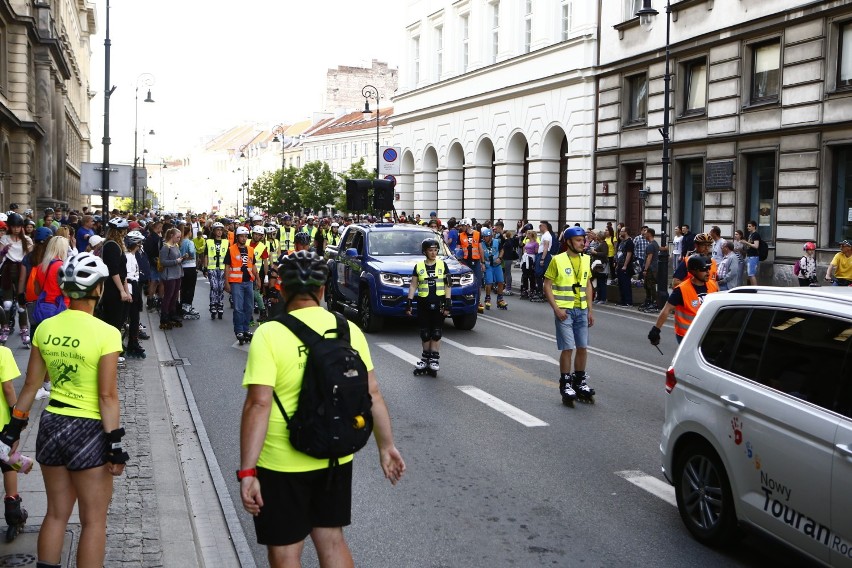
{"x":366,"y":148}
{"x":354,"y":149}
{"x":637,"y":98}
{"x":567,"y":15}
{"x":298,"y":161}
{"x":528,"y":25}
{"x":465,"y":37}
{"x":439,"y":51}
{"x":630,"y":8}
{"x":766,"y":71}
{"x":844,"y":56}
{"x":343,"y":150}
{"x":495,"y":30}
{"x":695,"y":86}
{"x":415,"y":54}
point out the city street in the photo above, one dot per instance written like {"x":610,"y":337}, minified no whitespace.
{"x":500,"y":473}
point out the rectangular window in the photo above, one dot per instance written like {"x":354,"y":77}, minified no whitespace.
{"x":354,"y":149}
{"x":439,"y":52}
{"x":465,"y":35}
{"x":495,"y":31}
{"x":366,"y":148}
{"x":415,"y":49}
{"x":298,"y":161}
{"x":637,"y":103}
{"x":841,"y":221}
{"x":766,"y":71}
{"x":695,"y":88}
{"x":692,"y":196}
{"x":528,"y":26}
{"x":844,"y":59}
{"x":630,"y":8}
{"x":761,"y":192}
{"x":567,"y":14}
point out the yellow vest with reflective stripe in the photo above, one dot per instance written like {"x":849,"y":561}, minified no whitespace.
{"x":288,"y":240}
{"x":214,"y":261}
{"x":258,"y":251}
{"x":422,"y":278}
{"x":567,"y":278}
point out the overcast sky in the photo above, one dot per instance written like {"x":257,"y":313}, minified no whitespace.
{"x":218,"y":63}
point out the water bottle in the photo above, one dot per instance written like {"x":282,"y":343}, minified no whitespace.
{"x":19,"y":462}
{"x":4,"y":452}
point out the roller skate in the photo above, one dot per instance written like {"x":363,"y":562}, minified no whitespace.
{"x":248,"y":335}
{"x":165,"y":324}
{"x":220,"y":310}
{"x":422,"y":366}
{"x":241,"y":338}
{"x":190,"y":313}
{"x":134,"y":352}
{"x":143,"y":332}
{"x":25,"y":337}
{"x":585,"y":393}
{"x":501,"y":303}
{"x":177,"y":321}
{"x":4,"y":334}
{"x":481,"y":308}
{"x":434,"y":367}
{"x":487,"y":302}
{"x":213,"y":311}
{"x":16,"y":517}
{"x":569,"y":395}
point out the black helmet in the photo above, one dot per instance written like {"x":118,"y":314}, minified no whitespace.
{"x":698,"y":262}
{"x":302,"y":271}
{"x":15,"y":220}
{"x":303,"y":238}
{"x":429,"y":243}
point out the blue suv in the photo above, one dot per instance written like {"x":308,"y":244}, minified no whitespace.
{"x":370,"y":272}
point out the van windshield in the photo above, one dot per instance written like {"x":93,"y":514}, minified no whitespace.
{"x":402,"y":243}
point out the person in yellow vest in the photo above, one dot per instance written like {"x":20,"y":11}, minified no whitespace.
{"x":686,"y":298}
{"x":240,"y":282}
{"x":430,"y":281}
{"x":261,"y":261}
{"x":568,"y":289}
{"x":273,"y":244}
{"x":333,"y":235}
{"x":213,"y":261}
{"x":288,"y":236}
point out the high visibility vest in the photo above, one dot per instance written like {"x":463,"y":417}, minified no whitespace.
{"x":332,"y":238}
{"x":259,"y":248}
{"x":288,"y":240}
{"x":273,"y":246}
{"x":470,"y":245}
{"x":235,"y":271}
{"x":691,"y":302}
{"x":230,"y":237}
{"x":423,"y":278}
{"x":216,"y":254}
{"x":568,"y":280}
{"x":310,"y":230}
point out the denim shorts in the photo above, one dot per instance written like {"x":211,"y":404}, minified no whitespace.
{"x":573,"y":333}
{"x":751,"y":265}
{"x":154,"y":276}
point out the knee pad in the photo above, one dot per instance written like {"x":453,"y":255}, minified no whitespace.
{"x":435,"y":335}
{"x":424,"y":334}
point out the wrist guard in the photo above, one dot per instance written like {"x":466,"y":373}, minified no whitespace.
{"x":12,"y":431}
{"x":115,"y":454}
{"x":408,"y":305}
{"x":448,"y":304}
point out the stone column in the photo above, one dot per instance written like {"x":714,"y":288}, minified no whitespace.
{"x":509,"y":192}
{"x":46,"y":150}
{"x":450,"y":192}
{"x":425,"y":192}
{"x":477,"y":191}
{"x":544,"y":190}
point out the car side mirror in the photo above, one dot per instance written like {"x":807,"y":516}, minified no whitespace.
{"x":352,"y":253}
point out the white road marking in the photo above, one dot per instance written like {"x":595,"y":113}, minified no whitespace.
{"x":652,"y":485}
{"x":509,"y":352}
{"x":503,"y":407}
{"x":394,"y":350}
{"x":243,"y":347}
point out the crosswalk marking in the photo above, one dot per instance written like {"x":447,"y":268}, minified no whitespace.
{"x":503,"y":407}
{"x":652,"y":485}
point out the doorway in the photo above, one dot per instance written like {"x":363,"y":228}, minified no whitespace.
{"x":635,"y":183}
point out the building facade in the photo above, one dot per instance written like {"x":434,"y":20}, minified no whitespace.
{"x":760,"y":115}
{"x":344,"y":83}
{"x":44,"y":101}
{"x":495,"y":110}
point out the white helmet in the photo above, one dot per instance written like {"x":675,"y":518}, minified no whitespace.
{"x":333,"y":225}
{"x":258,"y":229}
{"x":464,"y":221}
{"x":4,"y":217}
{"x":118,"y":223}
{"x":272,"y":229}
{"x":81,"y":273}
{"x":218,"y":225}
{"x":134,"y":237}
{"x":256,"y":218}
{"x":241,"y":231}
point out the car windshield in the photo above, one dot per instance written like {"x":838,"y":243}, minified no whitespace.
{"x":402,"y":243}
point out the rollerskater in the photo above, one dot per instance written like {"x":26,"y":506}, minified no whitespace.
{"x":568,"y":290}
{"x":431,"y":282}
{"x":213,"y":259}
{"x":170,"y":275}
{"x":16,"y":516}
{"x":241,"y":279}
{"x":133,"y":241}
{"x":470,"y":252}
{"x":493,"y":260}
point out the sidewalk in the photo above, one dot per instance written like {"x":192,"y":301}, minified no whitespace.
{"x":165,"y":510}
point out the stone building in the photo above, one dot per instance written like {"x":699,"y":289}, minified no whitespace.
{"x":761,"y":110}
{"x":495,"y":110}
{"x":346,"y":139}
{"x":44,"y":101}
{"x":343,"y":85}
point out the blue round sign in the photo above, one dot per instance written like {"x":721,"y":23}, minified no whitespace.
{"x":389,"y":155}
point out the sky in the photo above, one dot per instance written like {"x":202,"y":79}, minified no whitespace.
{"x":220,"y":63}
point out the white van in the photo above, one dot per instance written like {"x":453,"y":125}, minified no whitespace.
{"x":758,"y":427}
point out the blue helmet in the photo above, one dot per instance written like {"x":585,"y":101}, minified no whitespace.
{"x":485,"y":232}
{"x":573,"y":232}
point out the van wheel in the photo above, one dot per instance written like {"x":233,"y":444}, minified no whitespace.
{"x":370,"y":322}
{"x":465,"y":321}
{"x":704,"y":497}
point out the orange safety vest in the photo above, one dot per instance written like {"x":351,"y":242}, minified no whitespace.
{"x":235,"y":270}
{"x":231,"y":237}
{"x":691,"y":302}
{"x":470,"y":245}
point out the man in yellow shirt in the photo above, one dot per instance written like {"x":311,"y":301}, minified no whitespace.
{"x":840,"y":269}
{"x":291,"y":494}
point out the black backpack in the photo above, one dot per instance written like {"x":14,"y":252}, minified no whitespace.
{"x":333,"y":418}
{"x":762,"y":249}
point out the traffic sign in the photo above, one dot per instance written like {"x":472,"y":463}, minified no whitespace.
{"x":391,"y":179}
{"x":389,"y":159}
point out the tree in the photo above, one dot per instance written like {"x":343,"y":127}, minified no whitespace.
{"x":317,"y":186}
{"x":265,"y":190}
{"x":289,"y":182}
{"x":355,"y":171}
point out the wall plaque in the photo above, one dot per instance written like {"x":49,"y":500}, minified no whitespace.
{"x":719,"y":175}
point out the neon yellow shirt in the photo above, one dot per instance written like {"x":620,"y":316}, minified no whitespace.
{"x":72,"y":344}
{"x":275,"y":360}
{"x":8,"y":371}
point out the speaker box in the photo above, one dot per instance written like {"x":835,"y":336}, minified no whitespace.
{"x":356,"y":194}
{"x":382,"y":195}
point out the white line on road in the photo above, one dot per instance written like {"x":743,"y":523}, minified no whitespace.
{"x":652,"y":485}
{"x":394,"y":350}
{"x":503,"y":407}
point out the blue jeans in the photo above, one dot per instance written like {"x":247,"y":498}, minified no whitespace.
{"x":243,"y":295}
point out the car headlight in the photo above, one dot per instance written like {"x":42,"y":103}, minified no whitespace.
{"x":391,"y":279}
{"x":466,"y":279}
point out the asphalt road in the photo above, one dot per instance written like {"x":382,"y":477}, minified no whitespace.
{"x":484,"y":487}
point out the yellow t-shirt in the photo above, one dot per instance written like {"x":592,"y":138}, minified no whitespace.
{"x":8,"y":371}
{"x":72,"y":344}
{"x":276,"y":360}
{"x":844,"y":266}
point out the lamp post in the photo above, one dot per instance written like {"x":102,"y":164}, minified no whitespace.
{"x":279,"y":130}
{"x":143,"y":80}
{"x":371,"y":92}
{"x":247,"y":184}
{"x":647,"y":14}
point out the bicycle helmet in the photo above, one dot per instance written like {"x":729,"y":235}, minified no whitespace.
{"x":429,"y":243}
{"x":333,"y":225}
{"x":42,"y":234}
{"x":49,"y":211}
{"x":698,"y":262}
{"x":287,"y":218}
{"x":217,"y":225}
{"x":29,"y":222}
{"x":303,"y":238}
{"x":15,"y":220}
{"x":271,"y":229}
{"x":573,"y":232}
{"x":703,"y":239}
{"x":3,"y":226}
{"x":486,"y":232}
{"x":256,"y":218}
{"x":81,"y":273}
{"x":119,"y":223}
{"x":133,"y":238}
{"x":809,"y":246}
{"x":257,"y":229}
{"x":464,"y":221}
{"x":302,"y":271}
{"x":4,"y":217}
{"x":241,"y":231}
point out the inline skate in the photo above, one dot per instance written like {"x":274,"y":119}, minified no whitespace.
{"x":220,"y":309}
{"x":569,"y":395}
{"x":189,"y":312}
{"x":213,"y":311}
{"x":434,"y":367}
{"x":501,"y":303}
{"x":16,"y":517}
{"x":134,"y":352}
{"x":422,"y":366}
{"x":4,"y":334}
{"x":244,"y":337}
{"x":487,"y":302}
{"x":165,"y":325}
{"x":585,"y":393}
{"x":25,"y":337}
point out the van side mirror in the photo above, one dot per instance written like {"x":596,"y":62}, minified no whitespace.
{"x":352,"y":253}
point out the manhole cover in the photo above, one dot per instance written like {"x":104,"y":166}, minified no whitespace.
{"x":9,"y":560}
{"x":172,"y":363}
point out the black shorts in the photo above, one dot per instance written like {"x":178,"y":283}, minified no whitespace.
{"x":428,"y":318}
{"x":295,"y":503}
{"x":69,"y":441}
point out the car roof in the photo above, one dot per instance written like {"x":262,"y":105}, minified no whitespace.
{"x":394,"y":227}
{"x":841,"y":294}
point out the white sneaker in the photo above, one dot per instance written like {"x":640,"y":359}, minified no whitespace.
{"x":42,"y":394}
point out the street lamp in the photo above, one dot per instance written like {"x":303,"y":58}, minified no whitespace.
{"x":143,"y":80}
{"x":647,"y":14}
{"x":247,"y":184}
{"x":371,"y":92}
{"x":276,"y":131}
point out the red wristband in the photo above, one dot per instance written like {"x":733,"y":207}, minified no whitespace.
{"x":243,"y":473}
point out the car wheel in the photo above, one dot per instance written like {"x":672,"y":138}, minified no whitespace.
{"x":704,"y":496}
{"x":465,"y":321}
{"x":370,"y":322}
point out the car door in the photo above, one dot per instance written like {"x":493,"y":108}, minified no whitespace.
{"x":841,"y":472}
{"x":780,"y":442}
{"x":341,"y":268}
{"x":352,"y":266}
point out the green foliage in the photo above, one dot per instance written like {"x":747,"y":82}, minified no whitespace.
{"x":317,"y":185}
{"x":355,"y":171}
{"x":264,"y":191}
